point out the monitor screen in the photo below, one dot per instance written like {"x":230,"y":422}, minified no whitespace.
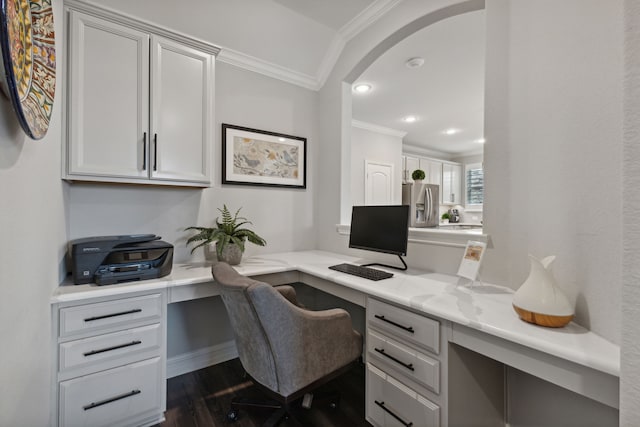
{"x":380,"y":228}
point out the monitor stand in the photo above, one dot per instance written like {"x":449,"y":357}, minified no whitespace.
{"x":389,"y":266}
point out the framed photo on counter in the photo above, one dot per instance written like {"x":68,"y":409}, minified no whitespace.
{"x":258,"y":157}
{"x":471,"y":260}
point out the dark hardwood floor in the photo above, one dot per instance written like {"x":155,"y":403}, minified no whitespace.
{"x":201,"y":398}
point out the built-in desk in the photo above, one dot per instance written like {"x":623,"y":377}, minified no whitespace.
{"x":478,"y":318}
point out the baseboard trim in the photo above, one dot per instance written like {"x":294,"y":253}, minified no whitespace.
{"x":199,"y":359}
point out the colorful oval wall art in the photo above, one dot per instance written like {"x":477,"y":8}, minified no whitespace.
{"x":27,"y":38}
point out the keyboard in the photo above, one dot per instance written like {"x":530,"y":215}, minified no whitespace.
{"x":366,"y":272}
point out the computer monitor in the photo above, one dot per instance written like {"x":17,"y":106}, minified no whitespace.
{"x":380,"y":229}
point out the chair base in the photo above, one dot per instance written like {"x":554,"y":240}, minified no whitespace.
{"x":283,"y":411}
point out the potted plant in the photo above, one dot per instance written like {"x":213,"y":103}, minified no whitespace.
{"x":445,"y":217}
{"x":228,"y":236}
{"x":418,"y":175}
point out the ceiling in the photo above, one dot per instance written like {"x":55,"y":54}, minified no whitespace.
{"x":299,"y":41}
{"x":446,"y":92}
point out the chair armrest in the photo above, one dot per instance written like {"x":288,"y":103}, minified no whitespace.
{"x":289,"y":293}
{"x":307,"y":345}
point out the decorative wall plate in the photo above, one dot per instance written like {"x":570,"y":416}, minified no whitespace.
{"x":27,"y":39}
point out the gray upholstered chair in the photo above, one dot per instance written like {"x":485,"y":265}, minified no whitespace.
{"x":286,"y":349}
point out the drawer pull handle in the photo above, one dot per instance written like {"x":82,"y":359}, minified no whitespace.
{"x":406,"y":328}
{"x":112,"y":399}
{"x":115,"y":347}
{"x":408,"y":366}
{"x":388,"y":411}
{"x":106,"y":316}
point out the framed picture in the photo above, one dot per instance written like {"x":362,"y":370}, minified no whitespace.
{"x":471,"y":260}
{"x":258,"y":157}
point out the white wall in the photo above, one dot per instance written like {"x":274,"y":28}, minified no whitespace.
{"x":553,"y":152}
{"x":630,"y":381}
{"x":32,"y":237}
{"x":553,"y":124}
{"x":284,"y":217}
{"x":378,"y":147}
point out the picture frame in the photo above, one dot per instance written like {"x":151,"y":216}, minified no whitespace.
{"x":263,"y":158}
{"x":472,"y":259}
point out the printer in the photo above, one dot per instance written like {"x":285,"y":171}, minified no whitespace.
{"x":106,"y":260}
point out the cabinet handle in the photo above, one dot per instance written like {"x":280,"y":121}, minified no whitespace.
{"x":409,"y":366}
{"x":388,"y":411}
{"x":144,"y":151}
{"x":111,"y":399}
{"x":115,"y":347}
{"x":106,"y":316}
{"x":155,"y":151}
{"x":406,"y":328}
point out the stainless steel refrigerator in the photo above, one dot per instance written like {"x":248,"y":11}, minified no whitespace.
{"x":424,"y":203}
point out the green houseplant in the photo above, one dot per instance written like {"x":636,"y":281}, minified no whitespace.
{"x":418,"y":175}
{"x":445,"y":217}
{"x":228,"y":235}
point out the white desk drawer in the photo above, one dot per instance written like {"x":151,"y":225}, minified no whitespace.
{"x":109,"y":314}
{"x":113,"y":397}
{"x":392,"y":404}
{"x":402,"y":323}
{"x":110,"y":348}
{"x":411,"y":363}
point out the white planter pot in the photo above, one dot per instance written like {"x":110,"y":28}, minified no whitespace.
{"x":231,"y":254}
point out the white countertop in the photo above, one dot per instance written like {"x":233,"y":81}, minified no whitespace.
{"x":484,"y":307}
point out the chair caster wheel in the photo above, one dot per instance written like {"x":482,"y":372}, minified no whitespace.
{"x":233,"y":415}
{"x":333,"y":406}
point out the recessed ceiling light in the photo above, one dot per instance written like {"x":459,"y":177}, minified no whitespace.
{"x":414,"y":62}
{"x":362,"y":88}
{"x":281,"y":139}
{"x":480,"y":141}
{"x":451,"y":131}
{"x":409,"y":119}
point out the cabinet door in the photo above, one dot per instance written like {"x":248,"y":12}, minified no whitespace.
{"x":181,"y":112}
{"x":433,"y":171}
{"x":451,"y":183}
{"x":108,"y":103}
{"x":456,"y":184}
{"x":410,"y":164}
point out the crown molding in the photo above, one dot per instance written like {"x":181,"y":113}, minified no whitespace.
{"x":257,"y":65}
{"x":352,"y":28}
{"x":378,"y":129}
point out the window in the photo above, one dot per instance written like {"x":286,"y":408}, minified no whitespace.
{"x":474,"y":186}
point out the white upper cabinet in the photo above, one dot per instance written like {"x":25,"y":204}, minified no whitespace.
{"x":181,"y":112}
{"x":108,"y":99}
{"x":432,"y":169}
{"x":139,"y":104}
{"x":409,"y":165}
{"x":451,"y":183}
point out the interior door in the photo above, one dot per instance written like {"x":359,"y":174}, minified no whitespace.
{"x":378,"y":182}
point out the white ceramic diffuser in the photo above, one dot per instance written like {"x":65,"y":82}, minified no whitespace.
{"x":539,"y":300}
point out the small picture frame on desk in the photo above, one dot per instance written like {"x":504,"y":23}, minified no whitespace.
{"x":471,"y":260}
{"x":263,"y":158}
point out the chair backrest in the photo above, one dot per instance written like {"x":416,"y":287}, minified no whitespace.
{"x":253,"y":345}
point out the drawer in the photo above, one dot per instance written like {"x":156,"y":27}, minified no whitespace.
{"x":109,"y":314}
{"x":415,"y":365}
{"x":106,"y":350}
{"x":114,"y":397}
{"x":402,"y":323}
{"x":392,"y":404}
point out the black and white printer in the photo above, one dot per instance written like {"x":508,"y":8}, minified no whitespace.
{"x":106,"y":260}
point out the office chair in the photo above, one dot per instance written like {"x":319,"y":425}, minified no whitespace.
{"x":286,"y":350}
